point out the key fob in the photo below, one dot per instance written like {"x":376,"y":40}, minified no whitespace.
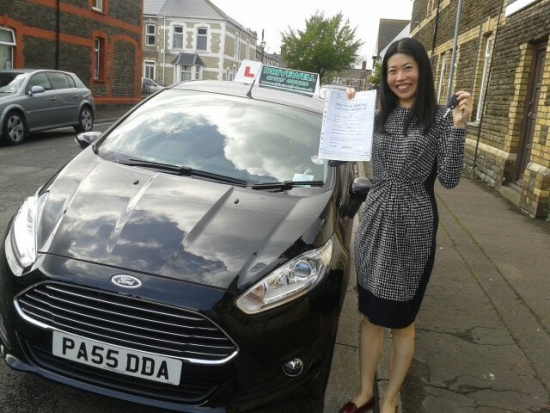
{"x":453,"y":101}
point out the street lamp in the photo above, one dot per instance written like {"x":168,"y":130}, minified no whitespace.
{"x":262,"y":47}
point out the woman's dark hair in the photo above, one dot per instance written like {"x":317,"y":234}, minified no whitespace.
{"x":425,"y":104}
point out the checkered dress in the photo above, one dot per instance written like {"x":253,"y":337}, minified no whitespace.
{"x":395,"y":240}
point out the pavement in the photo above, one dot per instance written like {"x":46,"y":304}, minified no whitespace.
{"x":483,"y":331}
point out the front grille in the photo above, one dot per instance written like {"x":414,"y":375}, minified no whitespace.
{"x":127,"y":322}
{"x":188,"y":391}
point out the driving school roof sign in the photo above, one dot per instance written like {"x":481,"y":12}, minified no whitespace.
{"x":278,"y":77}
{"x":288,"y":79}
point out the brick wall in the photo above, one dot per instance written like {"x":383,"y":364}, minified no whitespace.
{"x":493,"y":145}
{"x":35,"y":23}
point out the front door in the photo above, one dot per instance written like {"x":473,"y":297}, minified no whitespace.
{"x":530,"y":115}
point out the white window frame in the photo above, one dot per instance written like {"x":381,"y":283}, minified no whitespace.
{"x":10,"y":44}
{"x":513,"y":6}
{"x":149,"y":66}
{"x":98,"y":5}
{"x":201,"y":36}
{"x":484,"y":76}
{"x":237,"y":51}
{"x":152,"y":35}
{"x":442,"y":73}
{"x":173,"y":36}
{"x":97,"y":56}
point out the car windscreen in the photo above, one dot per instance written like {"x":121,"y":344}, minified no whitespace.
{"x":11,"y":82}
{"x":246,"y":139}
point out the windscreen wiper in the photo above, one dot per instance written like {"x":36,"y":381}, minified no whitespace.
{"x":286,"y":185}
{"x":184,"y":170}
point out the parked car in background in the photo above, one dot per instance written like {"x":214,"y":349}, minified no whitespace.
{"x":33,"y":100}
{"x":193,"y":257}
{"x":149,"y":86}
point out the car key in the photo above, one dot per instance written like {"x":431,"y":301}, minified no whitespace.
{"x":451,"y":104}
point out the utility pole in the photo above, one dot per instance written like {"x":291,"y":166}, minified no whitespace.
{"x":455,"y":42}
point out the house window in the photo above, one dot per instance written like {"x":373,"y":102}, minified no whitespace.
{"x":516,"y":5}
{"x":430,"y":7}
{"x":150,"y":35}
{"x":177,"y":37}
{"x":202,"y":38}
{"x":99,"y":58}
{"x":484,"y":76}
{"x":186,"y":72}
{"x":7,"y":43}
{"x":97,"y":5}
{"x":149,"y":69}
{"x":237,"y":46}
{"x":248,"y":48}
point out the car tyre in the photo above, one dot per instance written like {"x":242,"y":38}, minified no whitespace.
{"x":14,"y":129}
{"x":85,"y":120}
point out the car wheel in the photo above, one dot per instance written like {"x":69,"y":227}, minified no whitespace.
{"x":14,"y":129}
{"x":85,"y":120}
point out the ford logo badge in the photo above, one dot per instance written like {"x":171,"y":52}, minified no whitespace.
{"x":126,"y":281}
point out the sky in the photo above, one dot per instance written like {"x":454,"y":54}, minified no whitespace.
{"x":277,"y":16}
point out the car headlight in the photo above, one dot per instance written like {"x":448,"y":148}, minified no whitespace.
{"x":21,"y":243}
{"x":288,"y":282}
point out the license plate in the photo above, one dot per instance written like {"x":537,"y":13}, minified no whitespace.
{"x":118,"y":359}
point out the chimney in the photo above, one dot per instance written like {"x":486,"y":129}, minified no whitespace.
{"x":364,"y":66}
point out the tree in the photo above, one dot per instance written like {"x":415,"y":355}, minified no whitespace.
{"x":376,"y":71}
{"x":326,"y":45}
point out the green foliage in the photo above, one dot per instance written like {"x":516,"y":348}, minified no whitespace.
{"x":375,"y":78}
{"x":326,"y":45}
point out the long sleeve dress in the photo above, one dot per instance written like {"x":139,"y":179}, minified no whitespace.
{"x":395,"y":240}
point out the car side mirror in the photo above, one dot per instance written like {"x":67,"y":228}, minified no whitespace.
{"x":36,"y":89}
{"x":358,"y":192}
{"x":85,"y":139}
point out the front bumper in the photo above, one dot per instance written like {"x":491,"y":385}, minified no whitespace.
{"x":304,"y":329}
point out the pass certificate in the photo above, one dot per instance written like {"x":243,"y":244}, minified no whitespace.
{"x":346,"y":134}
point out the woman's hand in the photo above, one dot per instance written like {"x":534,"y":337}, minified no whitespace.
{"x":350,"y":92}
{"x":463,"y":110}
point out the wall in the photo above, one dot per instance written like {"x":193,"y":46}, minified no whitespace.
{"x":493,"y":146}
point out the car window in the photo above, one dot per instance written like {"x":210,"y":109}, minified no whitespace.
{"x":40,"y":79}
{"x":236,"y":137}
{"x":59,"y":80}
{"x":11,"y":82}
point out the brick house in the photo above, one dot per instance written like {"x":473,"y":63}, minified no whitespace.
{"x":193,"y":40}
{"x":500,"y":58}
{"x":99,"y":40}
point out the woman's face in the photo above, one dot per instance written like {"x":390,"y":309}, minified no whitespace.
{"x":402,"y":78}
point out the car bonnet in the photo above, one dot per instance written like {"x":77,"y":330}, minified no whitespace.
{"x":172,"y":226}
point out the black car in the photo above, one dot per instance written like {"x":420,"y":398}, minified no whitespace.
{"x":194,"y":257}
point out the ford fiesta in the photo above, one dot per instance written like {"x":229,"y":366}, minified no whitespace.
{"x":194,"y":257}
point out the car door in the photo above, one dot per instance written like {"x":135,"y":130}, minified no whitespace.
{"x":67,"y":98}
{"x":39,"y":108}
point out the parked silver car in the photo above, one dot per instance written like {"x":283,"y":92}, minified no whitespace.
{"x":149,"y":86}
{"x":33,"y":100}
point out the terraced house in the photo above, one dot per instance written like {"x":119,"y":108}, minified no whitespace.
{"x":99,"y":40}
{"x":193,"y":39}
{"x":500,"y":57}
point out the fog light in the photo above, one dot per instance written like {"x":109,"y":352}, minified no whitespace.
{"x":293,"y":368}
